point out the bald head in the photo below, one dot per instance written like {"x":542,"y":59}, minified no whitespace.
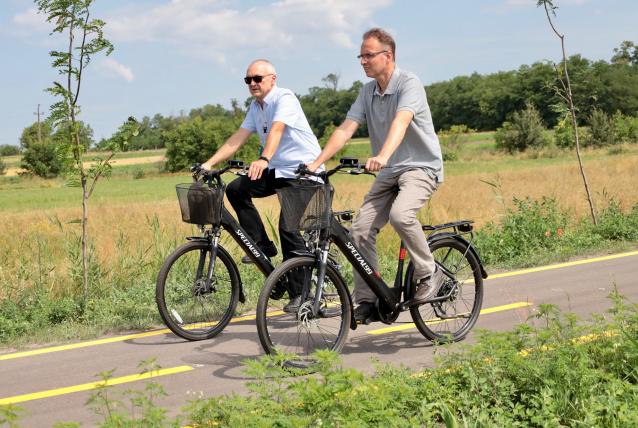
{"x":265,"y":72}
{"x":262,"y":66}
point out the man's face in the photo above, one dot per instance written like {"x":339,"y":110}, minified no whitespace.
{"x":375,"y":57}
{"x":261,"y":89}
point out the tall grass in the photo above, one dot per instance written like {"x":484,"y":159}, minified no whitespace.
{"x":135,"y":224}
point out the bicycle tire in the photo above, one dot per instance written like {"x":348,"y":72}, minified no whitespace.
{"x":298,"y":334}
{"x":465,"y":303}
{"x":186,"y":307}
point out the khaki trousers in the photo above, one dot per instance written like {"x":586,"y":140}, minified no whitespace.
{"x":397,"y":199}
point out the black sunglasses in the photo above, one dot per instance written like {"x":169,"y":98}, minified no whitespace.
{"x":256,"y":79}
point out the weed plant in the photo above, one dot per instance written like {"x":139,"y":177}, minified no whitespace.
{"x":537,"y":231}
{"x":550,"y":371}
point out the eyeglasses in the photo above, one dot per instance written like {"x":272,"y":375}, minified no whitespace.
{"x":369,"y":56}
{"x":256,"y":79}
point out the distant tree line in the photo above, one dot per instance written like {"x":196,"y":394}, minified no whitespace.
{"x":485,"y":102}
{"x":479,"y":102}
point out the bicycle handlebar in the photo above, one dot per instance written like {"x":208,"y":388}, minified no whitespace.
{"x":215,"y":174}
{"x":356,"y":169}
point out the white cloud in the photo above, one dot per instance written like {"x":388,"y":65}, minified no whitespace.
{"x":31,"y":19}
{"x":113,"y":68}
{"x":211,"y":27}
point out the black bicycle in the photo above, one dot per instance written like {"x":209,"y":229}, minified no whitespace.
{"x":325,"y":314}
{"x":199,"y":285}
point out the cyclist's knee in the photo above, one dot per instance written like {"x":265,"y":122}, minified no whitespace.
{"x":401,"y":220}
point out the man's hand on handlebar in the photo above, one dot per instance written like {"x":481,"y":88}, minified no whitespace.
{"x":256,"y":169}
{"x":376,"y":163}
{"x":312,"y":167}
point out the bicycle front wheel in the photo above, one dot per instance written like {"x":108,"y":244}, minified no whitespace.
{"x":300,"y":333}
{"x":451,"y":319}
{"x":192,"y":307}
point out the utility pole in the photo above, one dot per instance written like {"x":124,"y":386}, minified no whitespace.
{"x":39,"y":128}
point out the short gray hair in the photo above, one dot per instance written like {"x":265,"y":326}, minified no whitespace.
{"x":383,"y":37}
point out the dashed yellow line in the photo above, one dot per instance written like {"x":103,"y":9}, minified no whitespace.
{"x":485,"y":311}
{"x":93,"y":385}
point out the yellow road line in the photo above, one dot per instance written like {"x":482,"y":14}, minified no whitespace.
{"x":108,"y":340}
{"x":251,"y":317}
{"x":485,"y":311}
{"x":562,"y":265}
{"x":93,"y":385}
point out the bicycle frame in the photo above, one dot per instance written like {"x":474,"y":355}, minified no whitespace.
{"x":390,"y":297}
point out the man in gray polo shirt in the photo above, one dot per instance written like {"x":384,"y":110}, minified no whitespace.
{"x":407,"y":155}
{"x":286,"y":138}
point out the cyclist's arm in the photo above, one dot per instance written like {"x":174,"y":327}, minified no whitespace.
{"x":395,"y":135}
{"x":337,"y":140}
{"x":270,"y":148}
{"x":229,"y":148}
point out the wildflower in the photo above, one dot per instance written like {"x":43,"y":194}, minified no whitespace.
{"x":547,"y":233}
{"x":559,"y":232}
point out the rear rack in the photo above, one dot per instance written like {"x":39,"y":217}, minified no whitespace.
{"x":464,"y":226}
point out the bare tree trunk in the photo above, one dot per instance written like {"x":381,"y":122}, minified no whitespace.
{"x":567,"y":88}
{"x":85,"y":238}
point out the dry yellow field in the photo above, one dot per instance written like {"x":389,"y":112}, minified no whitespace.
{"x":462,"y":196}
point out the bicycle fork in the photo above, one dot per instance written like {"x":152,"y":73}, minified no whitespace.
{"x":208,"y":283}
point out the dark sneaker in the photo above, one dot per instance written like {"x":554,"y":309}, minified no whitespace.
{"x":428,"y":288}
{"x":277,"y":292}
{"x":365,"y":312}
{"x":293,"y":305}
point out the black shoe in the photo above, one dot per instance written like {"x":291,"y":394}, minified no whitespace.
{"x":277,"y":292}
{"x":365,"y":313}
{"x":293,"y":305}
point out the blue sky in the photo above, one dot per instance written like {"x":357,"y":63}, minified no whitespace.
{"x":174,"y":55}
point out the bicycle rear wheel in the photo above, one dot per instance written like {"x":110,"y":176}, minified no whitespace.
{"x":190,"y":308}
{"x":451,"y":319}
{"x":301,"y":333}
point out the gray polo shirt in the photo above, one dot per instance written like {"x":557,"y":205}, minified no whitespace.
{"x":420,"y":147}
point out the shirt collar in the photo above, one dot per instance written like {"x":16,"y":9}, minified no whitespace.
{"x":269,"y":97}
{"x":392,"y":84}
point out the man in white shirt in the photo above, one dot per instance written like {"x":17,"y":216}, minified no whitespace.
{"x":286,"y":139}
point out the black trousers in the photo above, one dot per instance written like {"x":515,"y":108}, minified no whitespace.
{"x":240,"y":193}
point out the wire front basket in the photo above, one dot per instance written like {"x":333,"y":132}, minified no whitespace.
{"x":305,"y":205}
{"x":200,"y":204}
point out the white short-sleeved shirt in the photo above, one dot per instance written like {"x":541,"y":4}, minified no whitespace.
{"x":298,"y":143}
{"x":420,"y":146}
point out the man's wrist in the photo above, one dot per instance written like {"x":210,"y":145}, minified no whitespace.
{"x":264,"y":158}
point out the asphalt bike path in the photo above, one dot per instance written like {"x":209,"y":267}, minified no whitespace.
{"x":54,"y":383}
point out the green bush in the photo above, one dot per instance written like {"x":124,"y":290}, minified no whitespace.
{"x":523,"y":131}
{"x":3,"y":167}
{"x":42,"y":159}
{"x":601,"y":129}
{"x":138,"y":173}
{"x":564,"y":134}
{"x":195,"y":140}
{"x":625,"y":127}
{"x":530,"y":228}
{"x":9,"y":150}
